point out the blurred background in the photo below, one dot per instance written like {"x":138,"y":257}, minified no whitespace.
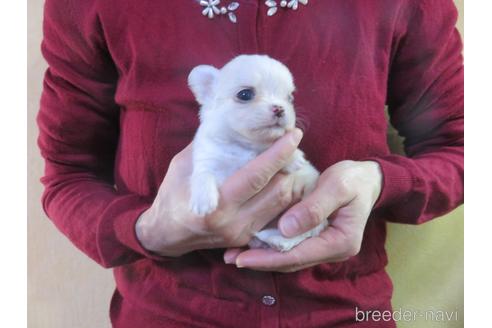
{"x":67,"y":289}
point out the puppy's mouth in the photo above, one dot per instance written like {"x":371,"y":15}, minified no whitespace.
{"x":274,"y":126}
{"x":278,"y":124}
{"x":269,"y":132}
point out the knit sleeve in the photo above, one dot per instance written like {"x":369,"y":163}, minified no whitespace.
{"x":425,"y":102}
{"x":78,"y":134}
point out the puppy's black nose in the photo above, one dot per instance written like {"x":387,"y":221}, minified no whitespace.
{"x":278,"y":111}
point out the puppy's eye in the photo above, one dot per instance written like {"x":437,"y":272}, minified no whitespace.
{"x":290,"y":98}
{"x":246,"y":94}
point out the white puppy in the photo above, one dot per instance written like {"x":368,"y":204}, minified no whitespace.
{"x":245,"y":107}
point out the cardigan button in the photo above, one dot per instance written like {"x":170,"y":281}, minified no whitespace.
{"x":268,"y":300}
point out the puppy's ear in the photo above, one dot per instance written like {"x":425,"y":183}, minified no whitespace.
{"x":201,"y":81}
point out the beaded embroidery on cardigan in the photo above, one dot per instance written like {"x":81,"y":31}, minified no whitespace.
{"x":213,"y":8}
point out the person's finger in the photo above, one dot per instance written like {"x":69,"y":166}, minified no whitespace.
{"x":256,"y":174}
{"x":185,"y":153}
{"x":310,"y":252}
{"x":255,"y":213}
{"x":309,"y":213}
{"x":181,"y":163}
{"x":231,"y":254}
{"x":268,"y":204}
{"x":272,"y":260}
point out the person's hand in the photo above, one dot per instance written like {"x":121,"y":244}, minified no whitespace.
{"x":249,"y":200}
{"x":345,"y":193}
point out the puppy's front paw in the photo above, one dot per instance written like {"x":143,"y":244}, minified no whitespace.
{"x":305,"y":180}
{"x":297,"y":163}
{"x":204,"y":196}
{"x":305,"y":175}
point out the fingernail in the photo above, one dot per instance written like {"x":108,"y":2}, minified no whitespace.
{"x":289,"y":226}
{"x":229,"y":258}
{"x":239,"y":264}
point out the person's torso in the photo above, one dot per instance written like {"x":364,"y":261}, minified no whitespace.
{"x":339,"y":53}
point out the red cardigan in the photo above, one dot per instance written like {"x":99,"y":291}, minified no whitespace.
{"x":116,"y":108}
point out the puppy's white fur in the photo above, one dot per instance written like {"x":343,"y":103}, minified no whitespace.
{"x":233,"y":131}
